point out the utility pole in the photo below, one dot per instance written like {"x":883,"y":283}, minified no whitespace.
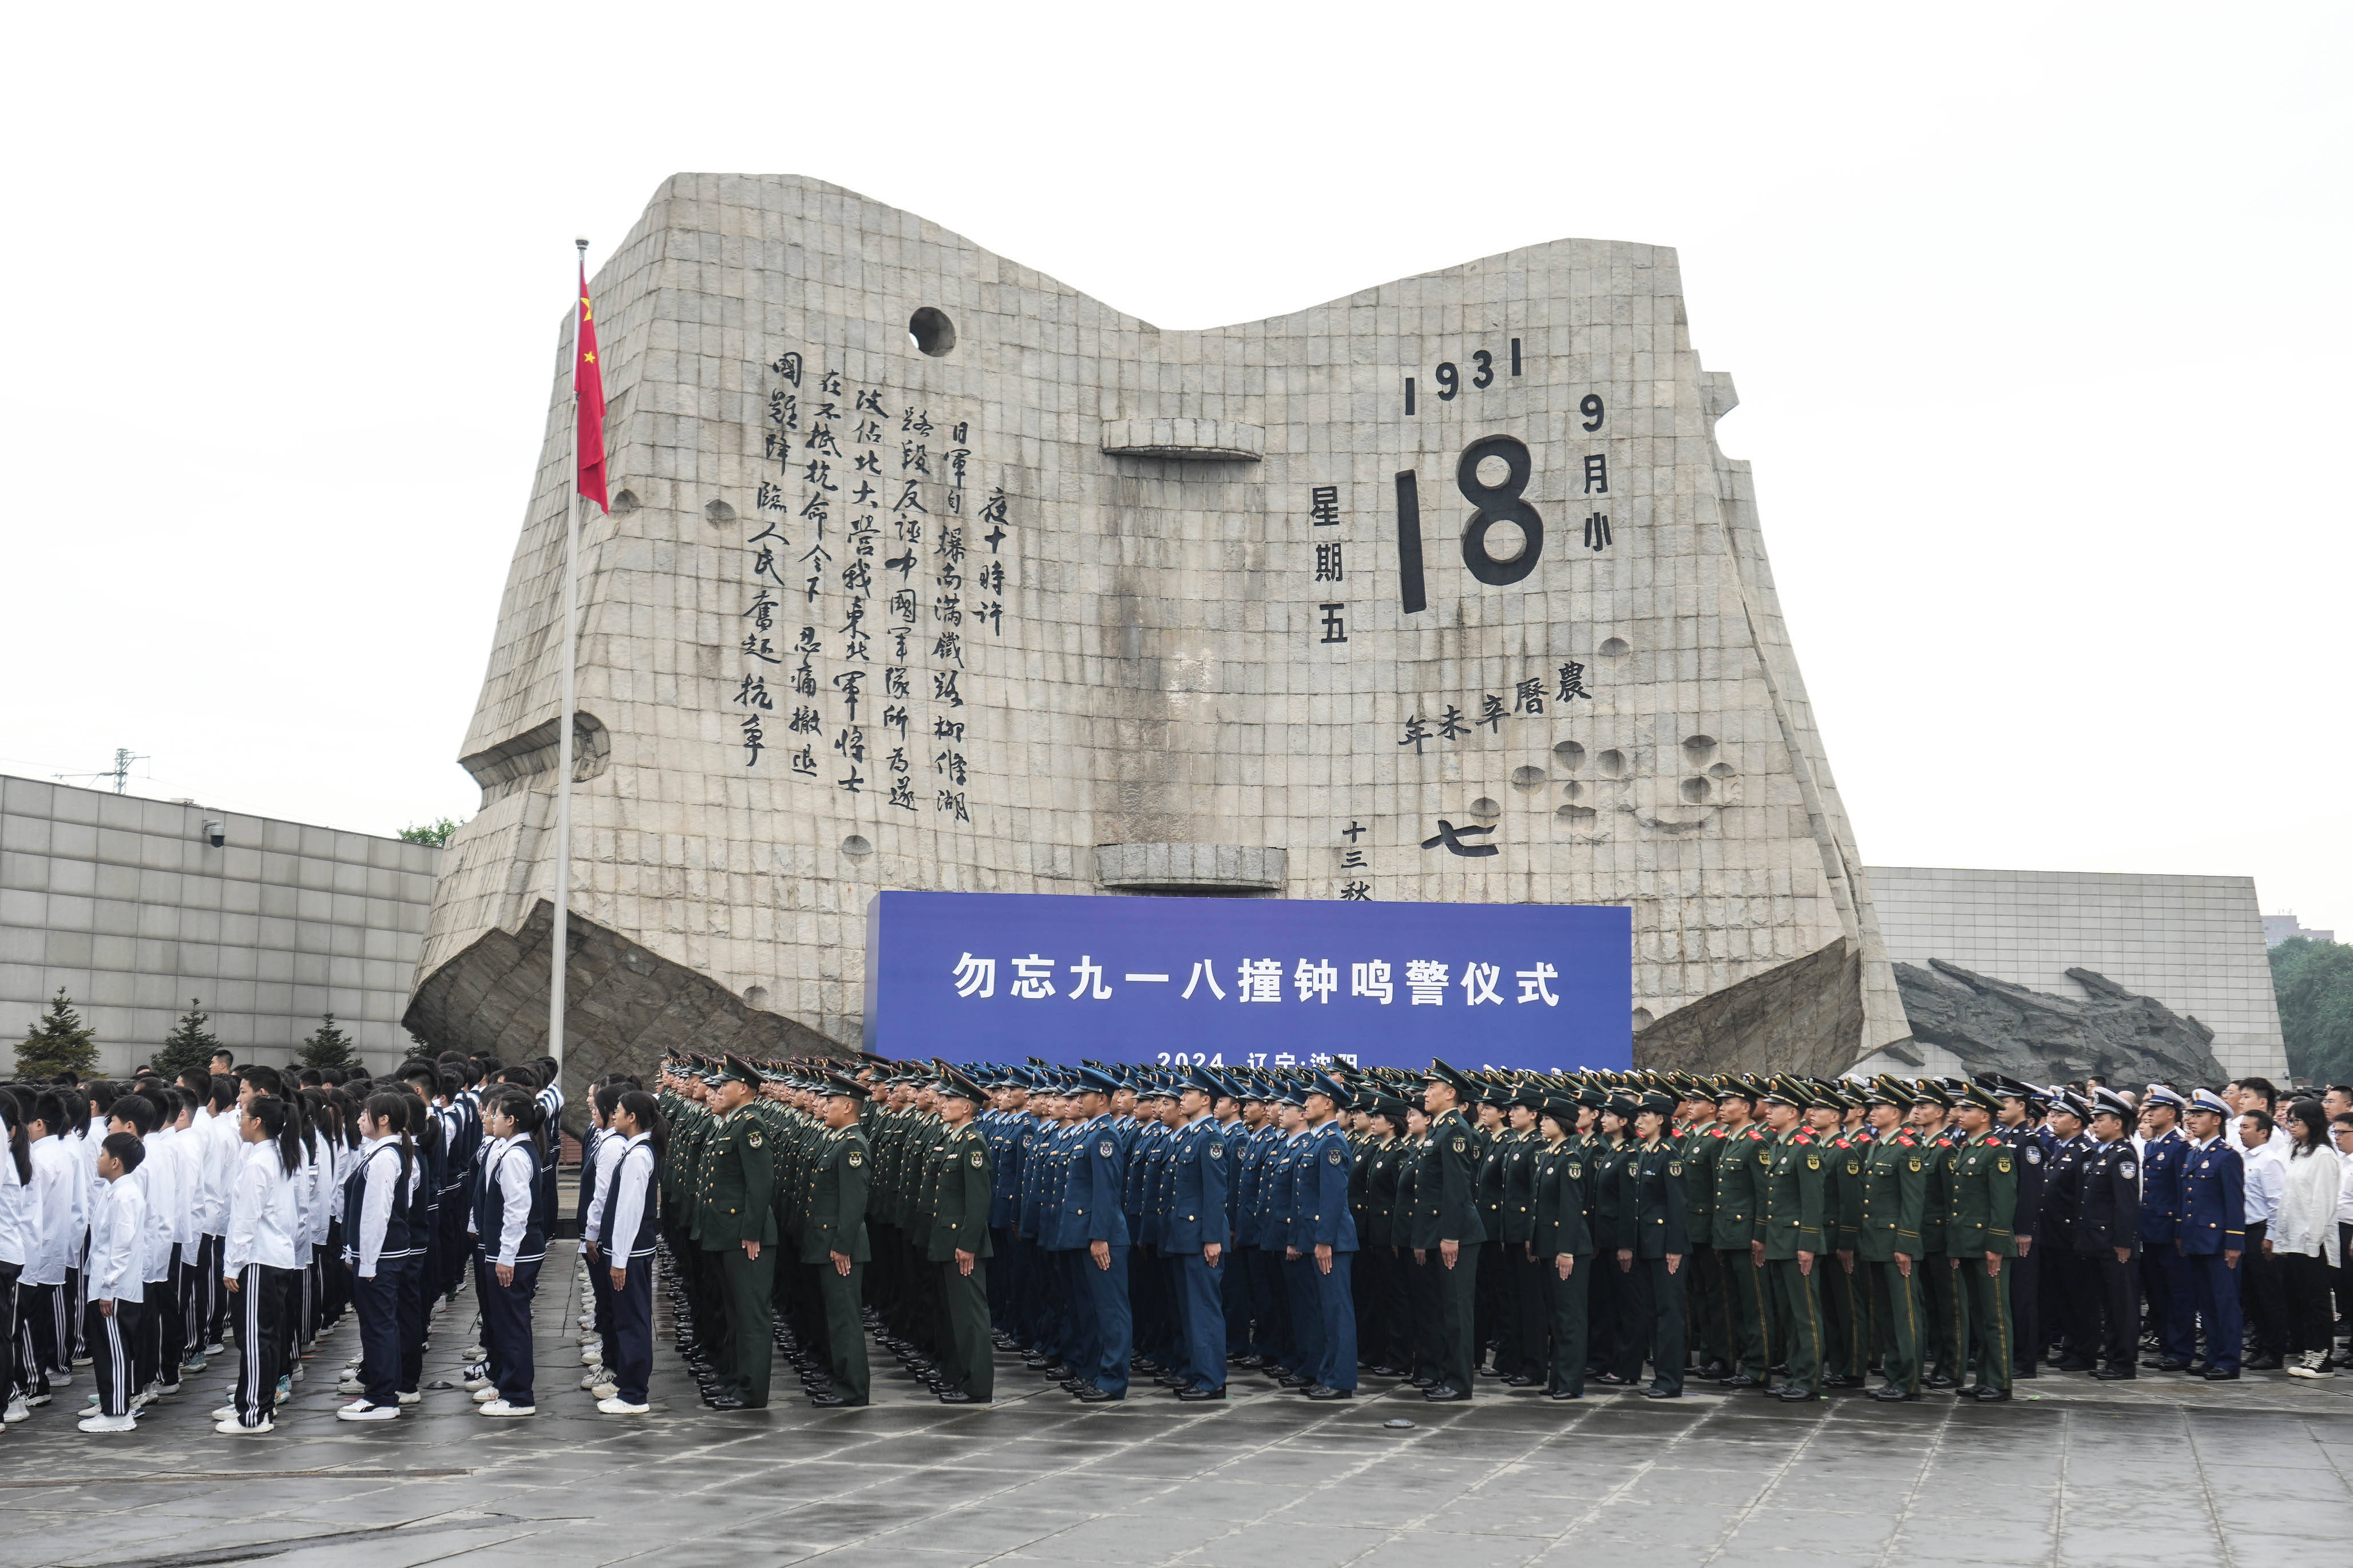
{"x":120,"y":773}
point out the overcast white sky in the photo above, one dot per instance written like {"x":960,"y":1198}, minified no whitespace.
{"x":2039,"y":317}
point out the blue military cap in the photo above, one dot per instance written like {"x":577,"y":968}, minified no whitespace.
{"x":1321,"y":1083}
{"x":2071,"y":1102}
{"x":1202,"y":1078}
{"x":1093,"y":1079}
{"x":2207,"y":1100}
{"x":2159,"y":1095}
{"x":1289,"y":1094}
{"x":2108,"y":1102}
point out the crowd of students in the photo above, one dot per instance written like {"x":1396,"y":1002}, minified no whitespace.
{"x":150,"y":1228}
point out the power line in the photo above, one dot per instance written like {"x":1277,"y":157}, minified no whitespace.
{"x":120,"y":773}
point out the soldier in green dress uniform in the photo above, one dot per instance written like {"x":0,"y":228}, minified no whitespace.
{"x":1447,"y":1237}
{"x":1893,"y":1188}
{"x":1944,"y":1348}
{"x":1702,"y":1139}
{"x":833,"y":1240}
{"x":1740,"y":1158}
{"x":1789,"y":1235}
{"x":1563,"y":1245}
{"x":1654,"y":1240}
{"x":1979,"y":1237}
{"x":735,"y":1227}
{"x":957,"y":1244}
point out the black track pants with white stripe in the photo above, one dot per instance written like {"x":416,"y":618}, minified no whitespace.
{"x":260,"y":1302}
{"x":109,"y":1337}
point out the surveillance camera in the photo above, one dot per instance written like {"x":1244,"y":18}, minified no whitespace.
{"x":216,"y":833}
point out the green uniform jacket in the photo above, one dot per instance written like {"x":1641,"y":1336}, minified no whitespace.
{"x":1985,"y":1198}
{"x":1700,"y":1145}
{"x":1937,"y":1212}
{"x":837,"y":1211}
{"x":739,"y":1179}
{"x":960,"y":1187}
{"x":1737,"y":1165}
{"x":1563,"y":1195}
{"x":1444,"y":1205}
{"x":1518,"y":1151}
{"x":1893,"y":1183}
{"x":1842,"y":1209}
{"x":1652,"y":1219}
{"x":1790,"y":1185}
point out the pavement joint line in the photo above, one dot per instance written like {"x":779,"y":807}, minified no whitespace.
{"x":323,"y":1473}
{"x":2059,"y":1492}
{"x":246,"y":1551}
{"x":1772,"y":1481}
{"x":2206,"y":1495}
{"x":1919,"y":1483}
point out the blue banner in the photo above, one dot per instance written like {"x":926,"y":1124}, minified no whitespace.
{"x":1245,"y":982}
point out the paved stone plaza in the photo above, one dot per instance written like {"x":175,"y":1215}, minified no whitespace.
{"x":2167,"y":1472}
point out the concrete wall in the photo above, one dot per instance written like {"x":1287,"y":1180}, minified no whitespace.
{"x":124,"y":903}
{"x":2195,"y":944}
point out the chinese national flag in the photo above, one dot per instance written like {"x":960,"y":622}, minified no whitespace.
{"x":588,"y":392}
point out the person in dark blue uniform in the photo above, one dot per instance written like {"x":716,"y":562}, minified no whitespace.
{"x":2212,"y":1234}
{"x":2108,"y":1234}
{"x":1091,"y":1232}
{"x":2164,"y":1271}
{"x":1193,"y":1237}
{"x":1327,"y":1233}
{"x":2021,"y":1119}
{"x":2070,"y":1314}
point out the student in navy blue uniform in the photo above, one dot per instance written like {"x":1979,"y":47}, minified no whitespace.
{"x":2108,"y":1234}
{"x":1193,"y":1237}
{"x":625,"y":1239}
{"x":1326,"y":1231}
{"x":2212,"y":1231}
{"x":1091,"y":1233}
{"x":379,"y":1248}
{"x":511,"y":1234}
{"x":2164,"y":1271}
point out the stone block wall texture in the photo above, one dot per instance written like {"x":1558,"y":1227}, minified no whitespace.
{"x":125,"y":903}
{"x":1052,"y":599}
{"x":2195,"y":944}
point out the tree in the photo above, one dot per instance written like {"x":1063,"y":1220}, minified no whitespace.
{"x":60,"y":1043}
{"x":189,"y":1045}
{"x":328,"y":1046}
{"x":2313,"y":983}
{"x":433,"y":832}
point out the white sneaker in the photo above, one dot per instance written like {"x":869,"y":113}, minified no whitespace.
{"x":501,"y":1407}
{"x":298,"y":1374}
{"x":60,"y":1378}
{"x":606,"y":1389}
{"x":414,"y":1396}
{"x":474,"y":1352}
{"x":81,"y":1360}
{"x":226,"y":1413}
{"x":485,"y":1394}
{"x":592,"y":1379}
{"x":610,"y":1405}
{"x":107,"y":1424}
{"x":361,"y":1410}
{"x":231,"y":1429}
{"x":350,"y":1385}
{"x":144,"y":1398}
{"x":591,"y":1354}
{"x":18,"y":1410}
{"x":476,"y":1382}
{"x":215,"y":1349}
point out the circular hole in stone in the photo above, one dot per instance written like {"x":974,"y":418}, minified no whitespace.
{"x":1569,"y":755}
{"x":719,"y":511}
{"x":1571,"y":790}
{"x":1574,"y":815}
{"x":1721,"y":771}
{"x":1697,"y":748}
{"x":1612,"y":764}
{"x":1527,"y":778}
{"x":1616,"y":647}
{"x":755,"y":996}
{"x":1483,"y":807}
{"x":624,"y":501}
{"x":857,"y":844}
{"x":1695,"y":791}
{"x":931,"y":331}
{"x":1495,"y":472}
{"x":1505,"y":540}
{"x":1641,"y":1019}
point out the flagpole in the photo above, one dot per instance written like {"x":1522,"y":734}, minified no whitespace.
{"x":560,"y":933}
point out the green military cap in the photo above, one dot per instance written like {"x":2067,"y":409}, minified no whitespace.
{"x":1981,"y":1098}
{"x":1825,"y":1097}
{"x":1925,"y":1092}
{"x":1453,"y":1078}
{"x":842,"y":1085}
{"x":1561,"y":1108}
{"x":1657,"y":1101}
{"x":955,"y":1083}
{"x":1781,"y":1091}
{"x":1886,"y":1090}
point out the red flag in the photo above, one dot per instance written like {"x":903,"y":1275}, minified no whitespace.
{"x":588,"y":394}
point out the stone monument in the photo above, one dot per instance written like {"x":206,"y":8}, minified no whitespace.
{"x":926,"y":571}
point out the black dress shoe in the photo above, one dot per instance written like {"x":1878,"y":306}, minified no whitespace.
{"x":1318,"y":1390}
{"x":1296,"y":1381}
{"x":2116,"y":1375}
{"x":2260,"y":1363}
{"x":1384,"y":1370}
{"x":723,"y":1401}
{"x":1935,"y":1380}
{"x":1274,"y":1370}
{"x":1714,"y":1370}
{"x":1562,"y":1394}
{"x":1091,"y":1394}
{"x":1991,"y":1395}
{"x":2162,"y":1365}
{"x":1202,"y":1396}
{"x":1422,"y":1382}
{"x":1442,"y":1392}
{"x":1252,"y":1362}
{"x":1893,"y":1394}
{"x":1740,"y":1379}
{"x":2071,"y":1364}
{"x":835,"y":1402}
{"x":960,"y":1396}
{"x":2216,"y":1375}
{"x":1796,"y":1394}
{"x":1655,"y":1392}
{"x":1611,"y":1380}
{"x":1836,"y":1380}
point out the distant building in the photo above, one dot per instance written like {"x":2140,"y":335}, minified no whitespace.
{"x":2277,"y":928}
{"x":131,"y":907}
{"x":2192,"y":942}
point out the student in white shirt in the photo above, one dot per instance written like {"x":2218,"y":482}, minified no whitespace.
{"x":509,"y":1231}
{"x":378,"y":1249}
{"x":45,"y":1295}
{"x":625,"y":1232}
{"x":2260,"y":1148}
{"x":2304,"y":1237}
{"x":20,"y":1239}
{"x":223,"y":1148}
{"x":116,"y":1292}
{"x":259,"y":1261}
